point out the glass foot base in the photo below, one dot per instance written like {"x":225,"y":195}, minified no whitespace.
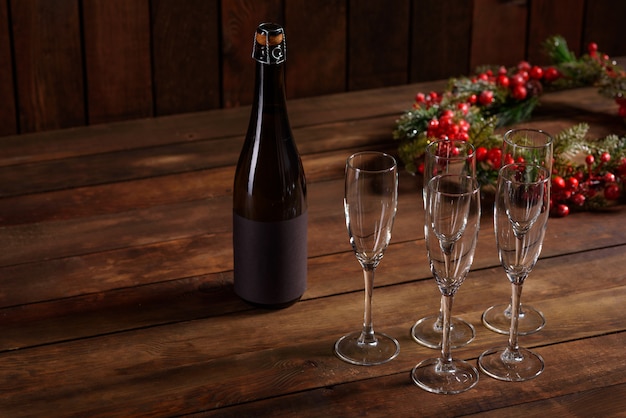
{"x":427,"y":332}
{"x":504,"y":364}
{"x":498,"y":319}
{"x":434,"y":376}
{"x":349,"y":349}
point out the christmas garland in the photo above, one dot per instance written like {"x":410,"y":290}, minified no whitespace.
{"x":471,"y":108}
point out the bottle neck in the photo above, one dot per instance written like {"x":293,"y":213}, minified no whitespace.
{"x":270,"y":85}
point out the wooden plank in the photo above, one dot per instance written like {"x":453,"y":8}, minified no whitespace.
{"x":606,"y":401}
{"x":396,"y":392}
{"x":185,"y":41}
{"x":101,"y":198}
{"x":117,"y":59}
{"x":499,"y":32}
{"x":193,"y":275}
{"x":59,"y":250}
{"x":440,"y":39}
{"x":555,"y":17}
{"x":317,"y":42}
{"x":373,"y":58}
{"x":352,"y":108}
{"x":601,"y":17}
{"x":558,"y":111}
{"x":201,"y":365}
{"x":180,"y":158}
{"x":240,"y":19}
{"x":8,"y":121}
{"x":161,"y":223}
{"x":48,"y":64}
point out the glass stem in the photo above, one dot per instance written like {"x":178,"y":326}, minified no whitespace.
{"x":446,"y":304}
{"x":438,"y":325}
{"x":516,"y":298}
{"x":367,"y":335}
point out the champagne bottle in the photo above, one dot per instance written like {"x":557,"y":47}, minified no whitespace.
{"x":269,"y":194}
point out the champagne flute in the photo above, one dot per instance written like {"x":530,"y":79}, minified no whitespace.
{"x":445,"y":157}
{"x":532,"y":146}
{"x":452,"y":223}
{"x":370,"y":204}
{"x":520,"y":219}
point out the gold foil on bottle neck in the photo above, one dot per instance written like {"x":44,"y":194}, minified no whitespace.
{"x":262,"y":39}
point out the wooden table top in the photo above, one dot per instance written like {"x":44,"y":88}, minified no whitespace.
{"x":116,"y":293}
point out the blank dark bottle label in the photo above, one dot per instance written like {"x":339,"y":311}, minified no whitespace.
{"x":270,"y":260}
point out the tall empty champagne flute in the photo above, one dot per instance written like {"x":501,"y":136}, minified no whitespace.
{"x":531,"y":146}
{"x":520,"y":219}
{"x":370,"y":204}
{"x":445,"y":157}
{"x":452,"y":222}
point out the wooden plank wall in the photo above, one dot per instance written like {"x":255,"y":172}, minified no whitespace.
{"x":67,"y":63}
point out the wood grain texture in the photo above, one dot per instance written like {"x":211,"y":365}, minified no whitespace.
{"x":186,"y":64}
{"x":378,"y":35}
{"x":116,"y":285}
{"x":499,"y":32}
{"x":601,"y":18}
{"x":98,"y":61}
{"x":8,"y":122}
{"x":554,"y":17}
{"x":440,"y":39}
{"x":48,"y":64}
{"x":316,"y":46}
{"x":240,"y":18}
{"x":117,"y":59}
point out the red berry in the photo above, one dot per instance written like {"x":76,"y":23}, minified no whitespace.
{"x":494,"y":156}
{"x":517,"y":79}
{"x":592,"y":47}
{"x":503,"y":80}
{"x":579,"y":199}
{"x":508,"y":159}
{"x":472,"y":99}
{"x":561,"y":210}
{"x":481,"y":154}
{"x":420,"y":168}
{"x":485,"y":98}
{"x":605,"y":157}
{"x":502,"y":70}
{"x":420,"y":98}
{"x":519,"y":92}
{"x":589,"y":159}
{"x":523,"y":66}
{"x":572,"y":183}
{"x":622,"y":112}
{"x":608,"y":178}
{"x":550,"y":74}
{"x":580,"y":176}
{"x":536,"y":72}
{"x":463,"y":107}
{"x":558,"y":183}
{"x":611,"y":191}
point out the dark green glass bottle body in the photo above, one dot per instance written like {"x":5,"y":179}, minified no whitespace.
{"x":269,"y":201}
